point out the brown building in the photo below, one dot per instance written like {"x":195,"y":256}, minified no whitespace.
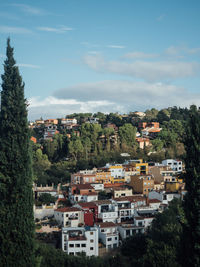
{"x":142,"y":183}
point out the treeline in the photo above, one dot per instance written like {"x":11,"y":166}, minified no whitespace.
{"x":93,"y":145}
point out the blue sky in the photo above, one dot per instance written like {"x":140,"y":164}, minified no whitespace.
{"x":104,"y":55}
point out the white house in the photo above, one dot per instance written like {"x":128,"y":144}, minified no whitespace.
{"x":88,"y":197}
{"x":98,"y":186}
{"x":108,"y":234}
{"x":68,"y":121}
{"x":107,"y":210}
{"x":76,"y":240}
{"x":69,"y":216}
{"x":164,"y":197}
{"x":154,"y":203}
{"x":129,"y":229}
{"x":176,"y":165}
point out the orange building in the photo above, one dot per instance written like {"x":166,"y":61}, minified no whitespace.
{"x":33,"y":139}
{"x":82,"y":178}
{"x":143,"y":142}
{"x":51,"y":121}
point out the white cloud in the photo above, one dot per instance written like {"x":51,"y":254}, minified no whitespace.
{"x":61,"y":29}
{"x":140,"y":55}
{"x":181,"y":51}
{"x":58,"y":108}
{"x":111,"y":96}
{"x":15,"y":30}
{"x":194,"y":50}
{"x":149,"y":71}
{"x":29,"y":9}
{"x":116,"y":46}
{"x":117,"y":91}
{"x":89,"y":45}
{"x":28,"y":66}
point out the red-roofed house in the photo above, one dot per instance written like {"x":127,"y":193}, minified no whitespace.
{"x":90,"y":210}
{"x":69,"y":216}
{"x":82,"y":193}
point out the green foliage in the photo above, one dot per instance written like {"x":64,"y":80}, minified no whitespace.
{"x":114,"y":118}
{"x":127,"y":134}
{"x":164,"y":237}
{"x":51,"y":257}
{"x":151,"y":114}
{"x":163,"y":115}
{"x":47,"y":198}
{"x":76,"y":148}
{"x":192,"y":199}
{"x":161,"y":246}
{"x":16,"y":197}
{"x":157,"y":144}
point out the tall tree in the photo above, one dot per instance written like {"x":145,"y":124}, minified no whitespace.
{"x":16,"y":197}
{"x":192,"y":198}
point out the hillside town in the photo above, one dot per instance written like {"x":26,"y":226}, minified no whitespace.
{"x":101,"y":207}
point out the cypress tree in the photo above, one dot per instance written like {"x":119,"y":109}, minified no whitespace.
{"x":191,"y":238}
{"x":16,"y":197}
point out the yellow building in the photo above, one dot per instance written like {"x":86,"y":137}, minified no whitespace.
{"x":117,"y":180}
{"x":142,"y":168}
{"x":117,"y":173}
{"x":174,"y":186}
{"x":103,"y":176}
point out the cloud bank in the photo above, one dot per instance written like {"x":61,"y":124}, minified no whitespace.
{"x":111,"y":96}
{"x":149,"y":71}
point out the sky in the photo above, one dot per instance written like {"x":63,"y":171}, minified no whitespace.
{"x":104,"y":55}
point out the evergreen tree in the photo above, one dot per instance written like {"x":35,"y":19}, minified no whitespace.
{"x":16,"y":197}
{"x":192,"y":199}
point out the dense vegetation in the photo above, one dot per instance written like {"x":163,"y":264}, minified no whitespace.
{"x":93,"y":145}
{"x":16,"y":197}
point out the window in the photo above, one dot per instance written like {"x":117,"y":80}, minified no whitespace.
{"x":116,"y":238}
{"x":65,"y":247}
{"x":77,"y":245}
{"x":71,"y":253}
{"x":65,"y":237}
{"x":91,"y":248}
{"x":109,"y":239}
{"x":71,"y":245}
{"x":114,"y":245}
{"x":91,"y":240}
{"x":127,"y":233}
{"x":91,"y":233}
{"x":83,"y":245}
{"x":102,"y":230}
